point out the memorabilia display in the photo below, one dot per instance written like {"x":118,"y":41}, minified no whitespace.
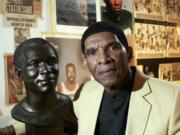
{"x":14,"y":87}
{"x":72,"y":67}
{"x":173,"y":11}
{"x":149,"y":9}
{"x":75,"y":12}
{"x":165,"y":71}
{"x":173,"y":42}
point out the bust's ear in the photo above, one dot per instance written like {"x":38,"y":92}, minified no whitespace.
{"x":18,"y":73}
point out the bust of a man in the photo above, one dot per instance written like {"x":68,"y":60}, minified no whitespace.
{"x":43,"y":111}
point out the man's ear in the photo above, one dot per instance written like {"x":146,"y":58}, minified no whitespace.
{"x":18,"y":73}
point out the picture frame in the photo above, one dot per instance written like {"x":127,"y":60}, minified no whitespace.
{"x":15,"y":90}
{"x":123,"y":19}
{"x":72,"y":15}
{"x":150,"y":10}
{"x":69,"y":51}
{"x":165,"y":71}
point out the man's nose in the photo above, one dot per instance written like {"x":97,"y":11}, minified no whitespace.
{"x":103,"y":57}
{"x":116,"y":2}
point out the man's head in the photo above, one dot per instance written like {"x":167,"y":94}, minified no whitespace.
{"x":36,"y":63}
{"x":70,"y":72}
{"x":105,"y":49}
{"x":114,"y":5}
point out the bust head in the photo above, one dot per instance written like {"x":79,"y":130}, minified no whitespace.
{"x":36,"y":63}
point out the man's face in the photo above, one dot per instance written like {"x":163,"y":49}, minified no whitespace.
{"x":70,"y":73}
{"x":115,"y":5}
{"x":40,"y":72}
{"x":106,"y":59}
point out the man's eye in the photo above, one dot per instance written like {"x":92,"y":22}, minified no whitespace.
{"x":90,"y":52}
{"x":114,"y":47}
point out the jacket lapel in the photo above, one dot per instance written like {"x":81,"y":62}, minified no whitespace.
{"x":139,"y":107}
{"x":90,"y":105}
{"x":95,"y":106}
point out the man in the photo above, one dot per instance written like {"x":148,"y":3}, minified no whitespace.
{"x":70,"y":86}
{"x":115,"y":14}
{"x":122,"y":100}
{"x":42,"y":110}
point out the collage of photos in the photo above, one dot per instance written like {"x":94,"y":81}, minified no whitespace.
{"x":150,"y":9}
{"x":150,"y":40}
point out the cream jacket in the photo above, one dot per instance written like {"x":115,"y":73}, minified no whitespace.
{"x":154,"y":107}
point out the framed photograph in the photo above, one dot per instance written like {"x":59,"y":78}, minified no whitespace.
{"x":20,"y":13}
{"x":157,"y":41}
{"x":165,"y":71}
{"x":15,"y":90}
{"x":151,"y":70}
{"x":21,"y":34}
{"x":72,"y":68}
{"x":121,"y":14}
{"x":173,"y":42}
{"x":176,"y":72}
{"x":173,"y":11}
{"x":149,"y":9}
{"x":141,"y":40}
{"x":75,"y":12}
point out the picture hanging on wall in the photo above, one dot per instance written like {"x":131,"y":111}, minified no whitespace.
{"x":176,"y":72}
{"x":14,"y":87}
{"x":75,"y":12}
{"x":20,"y":13}
{"x":149,"y":9}
{"x":20,"y":35}
{"x":173,"y":42}
{"x":121,"y":14}
{"x":72,"y":68}
{"x":173,"y":11}
{"x":165,"y":71}
{"x":150,"y":40}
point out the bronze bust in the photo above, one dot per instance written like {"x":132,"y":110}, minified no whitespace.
{"x":43,"y":111}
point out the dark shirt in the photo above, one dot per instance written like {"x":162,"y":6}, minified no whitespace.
{"x":113,"y":112}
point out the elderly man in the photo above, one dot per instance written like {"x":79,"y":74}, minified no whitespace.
{"x":122,"y":100}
